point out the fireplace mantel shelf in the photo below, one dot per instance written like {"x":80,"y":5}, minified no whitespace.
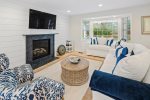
{"x":38,"y":34}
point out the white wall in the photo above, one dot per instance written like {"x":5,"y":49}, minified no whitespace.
{"x":14,"y":21}
{"x":135,"y":12}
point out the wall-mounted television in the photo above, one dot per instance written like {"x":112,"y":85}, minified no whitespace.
{"x":41,"y":20}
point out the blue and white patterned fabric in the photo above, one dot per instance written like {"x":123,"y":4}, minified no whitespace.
{"x":118,"y":51}
{"x":109,"y":42}
{"x":24,"y":73}
{"x":8,"y":83}
{"x":4,"y":62}
{"x":39,"y":89}
{"x":94,"y":41}
{"x":17,"y":84}
{"x":120,"y":56}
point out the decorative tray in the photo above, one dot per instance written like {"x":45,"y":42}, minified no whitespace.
{"x":74,"y":59}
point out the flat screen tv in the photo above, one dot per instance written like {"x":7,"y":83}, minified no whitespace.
{"x":41,"y":20}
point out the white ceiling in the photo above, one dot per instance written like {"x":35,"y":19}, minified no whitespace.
{"x":85,"y":6}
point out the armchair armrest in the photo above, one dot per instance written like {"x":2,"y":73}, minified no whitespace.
{"x":24,"y":73}
{"x":119,"y":87}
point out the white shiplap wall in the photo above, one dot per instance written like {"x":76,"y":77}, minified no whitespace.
{"x":14,"y":20}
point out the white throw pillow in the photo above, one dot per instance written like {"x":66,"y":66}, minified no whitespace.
{"x":102,"y":40}
{"x":94,"y":41}
{"x":134,"y":67}
{"x":130,"y":46}
{"x":114,"y":44}
{"x":139,"y":48}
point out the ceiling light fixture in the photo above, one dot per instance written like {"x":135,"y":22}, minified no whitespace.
{"x":100,"y":5}
{"x":68,"y":11}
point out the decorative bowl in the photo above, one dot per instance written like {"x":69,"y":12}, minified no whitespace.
{"x":74,"y":59}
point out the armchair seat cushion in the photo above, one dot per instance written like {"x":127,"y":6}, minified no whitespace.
{"x":40,"y":89}
{"x":8,"y":78}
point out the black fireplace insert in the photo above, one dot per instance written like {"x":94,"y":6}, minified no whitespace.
{"x":39,"y":49}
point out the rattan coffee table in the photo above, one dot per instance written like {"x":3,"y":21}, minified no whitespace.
{"x":75,"y":74}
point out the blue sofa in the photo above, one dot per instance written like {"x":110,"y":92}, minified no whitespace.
{"x":18,"y":84}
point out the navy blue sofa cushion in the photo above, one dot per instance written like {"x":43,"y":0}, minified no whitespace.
{"x":118,"y":87}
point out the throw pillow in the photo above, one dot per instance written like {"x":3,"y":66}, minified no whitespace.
{"x":130,"y":46}
{"x":138,"y":48}
{"x":120,"y":57}
{"x":133,"y":67}
{"x":118,"y":51}
{"x":114,"y":44}
{"x":109,"y":42}
{"x":94,"y":41}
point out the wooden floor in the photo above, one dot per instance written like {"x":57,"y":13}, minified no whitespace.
{"x":74,"y":53}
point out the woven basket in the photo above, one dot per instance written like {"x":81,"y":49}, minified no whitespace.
{"x":75,"y":74}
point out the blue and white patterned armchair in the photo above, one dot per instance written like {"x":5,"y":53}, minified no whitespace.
{"x":17,"y":84}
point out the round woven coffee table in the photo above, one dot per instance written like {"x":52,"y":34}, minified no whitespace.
{"x":75,"y":74}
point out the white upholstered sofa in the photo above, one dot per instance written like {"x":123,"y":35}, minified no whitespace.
{"x":135,"y":67}
{"x":100,"y":49}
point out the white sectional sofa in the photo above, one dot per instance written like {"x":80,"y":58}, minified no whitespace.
{"x":100,"y":49}
{"x":135,"y":67}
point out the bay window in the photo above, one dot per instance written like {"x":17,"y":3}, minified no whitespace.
{"x":110,"y":27}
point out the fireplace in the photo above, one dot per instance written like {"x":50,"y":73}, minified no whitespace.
{"x":39,"y":49}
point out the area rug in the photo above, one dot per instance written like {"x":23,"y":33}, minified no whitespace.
{"x":71,"y":92}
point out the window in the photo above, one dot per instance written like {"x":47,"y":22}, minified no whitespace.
{"x":126,"y":28}
{"x":116,"y":27}
{"x":86,"y":29}
{"x":105,"y":29}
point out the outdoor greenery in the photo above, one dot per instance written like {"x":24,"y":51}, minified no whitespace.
{"x":106,"y":29}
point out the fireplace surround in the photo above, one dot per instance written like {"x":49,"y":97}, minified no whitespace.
{"x":39,"y":49}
